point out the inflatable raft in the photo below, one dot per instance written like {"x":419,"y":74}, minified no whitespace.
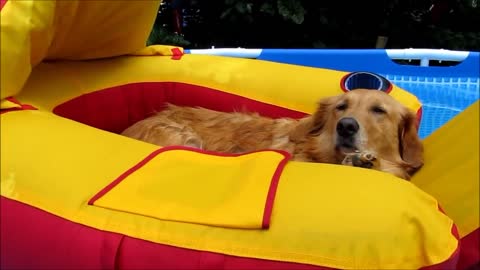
{"x":76,"y":195}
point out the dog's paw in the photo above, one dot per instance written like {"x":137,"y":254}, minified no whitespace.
{"x":348,"y":160}
{"x":365,"y":159}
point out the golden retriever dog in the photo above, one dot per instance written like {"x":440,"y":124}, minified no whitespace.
{"x":363,"y":128}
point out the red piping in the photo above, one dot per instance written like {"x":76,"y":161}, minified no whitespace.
{"x":21,"y":108}
{"x":271,"y":191}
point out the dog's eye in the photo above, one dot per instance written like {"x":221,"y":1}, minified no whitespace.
{"x":378,"y":109}
{"x":341,"y":107}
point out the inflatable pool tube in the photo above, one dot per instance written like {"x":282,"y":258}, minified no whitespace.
{"x":76,"y":195}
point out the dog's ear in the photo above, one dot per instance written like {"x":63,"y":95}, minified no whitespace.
{"x":321,"y":115}
{"x":411,"y":147}
{"x":313,"y":124}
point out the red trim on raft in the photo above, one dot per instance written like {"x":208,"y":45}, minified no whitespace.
{"x":2,"y":4}
{"x":56,"y":243}
{"x":177,"y":54}
{"x":389,"y":89}
{"x":21,"y":108}
{"x":419,"y":117}
{"x":452,"y":261}
{"x":272,"y":190}
{"x":470,"y":250}
{"x":52,"y":242}
{"x":342,"y":83}
{"x":114,"y":109}
{"x":270,"y":198}
{"x":124,"y":175}
{"x":34,"y":239}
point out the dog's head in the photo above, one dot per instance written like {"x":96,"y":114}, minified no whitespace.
{"x":368,"y":120}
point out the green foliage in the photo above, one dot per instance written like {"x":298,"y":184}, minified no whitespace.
{"x":291,"y":10}
{"x":160,"y":35}
{"x":325,"y":24}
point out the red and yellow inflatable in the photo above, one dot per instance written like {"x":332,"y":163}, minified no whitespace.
{"x":75,"y":194}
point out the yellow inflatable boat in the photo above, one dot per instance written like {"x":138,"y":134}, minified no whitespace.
{"x":76,"y":195}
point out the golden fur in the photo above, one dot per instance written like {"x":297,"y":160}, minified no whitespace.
{"x":386,"y":138}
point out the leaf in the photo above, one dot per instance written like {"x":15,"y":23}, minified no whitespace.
{"x":243,"y":7}
{"x":267,"y":8}
{"x":249,"y":7}
{"x":318,"y":44}
{"x":160,"y":35}
{"x":291,"y":10}
{"x":323,"y":19}
{"x":226,"y":13}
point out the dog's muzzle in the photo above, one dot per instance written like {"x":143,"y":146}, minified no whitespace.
{"x":347,"y":128}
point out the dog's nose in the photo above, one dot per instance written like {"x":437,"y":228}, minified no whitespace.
{"x":347,"y":127}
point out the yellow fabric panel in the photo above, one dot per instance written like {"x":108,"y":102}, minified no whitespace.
{"x":184,"y":185}
{"x":26,"y":33}
{"x":328,"y":215}
{"x":451,"y":170}
{"x":32,"y":31}
{"x":294,"y":87}
{"x":97,"y":28}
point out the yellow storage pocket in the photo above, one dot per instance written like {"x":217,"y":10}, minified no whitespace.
{"x":190,"y":185}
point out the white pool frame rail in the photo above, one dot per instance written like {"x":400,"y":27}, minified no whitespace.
{"x":424,"y":55}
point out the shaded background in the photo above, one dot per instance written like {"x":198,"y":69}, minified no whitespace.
{"x":447,"y":24}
